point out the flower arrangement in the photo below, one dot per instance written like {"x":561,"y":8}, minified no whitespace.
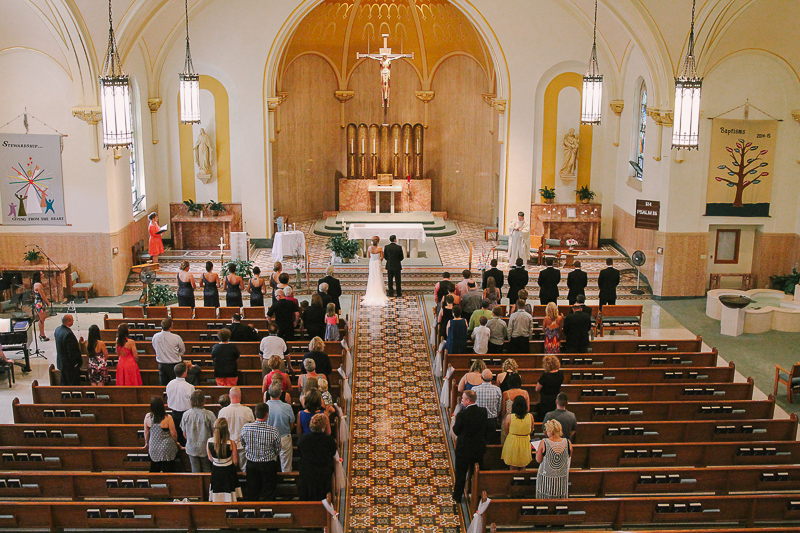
{"x":572,"y":243}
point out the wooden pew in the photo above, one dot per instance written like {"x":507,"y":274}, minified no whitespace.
{"x":683,"y":410}
{"x":71,"y":435}
{"x":205,"y":340}
{"x":113,"y":395}
{"x":182,"y":324}
{"x":620,"y":317}
{"x":245,"y":362}
{"x":93,"y":459}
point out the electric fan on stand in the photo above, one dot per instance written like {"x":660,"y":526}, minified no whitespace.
{"x":147,"y":277}
{"x":638,"y":259}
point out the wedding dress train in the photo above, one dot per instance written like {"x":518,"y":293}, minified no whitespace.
{"x":376,"y":292}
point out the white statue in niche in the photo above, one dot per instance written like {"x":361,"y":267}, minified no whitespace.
{"x":202,"y":155}
{"x":571,"y":143}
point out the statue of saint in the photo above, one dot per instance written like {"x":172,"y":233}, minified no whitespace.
{"x":571,"y":143}
{"x":202,"y":152}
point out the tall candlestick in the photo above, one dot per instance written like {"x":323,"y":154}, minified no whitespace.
{"x":417,"y":144}
{"x":395,"y":146}
{"x":406,"y":145}
{"x":351,"y":146}
{"x":374,"y":151}
{"x":363,"y":148}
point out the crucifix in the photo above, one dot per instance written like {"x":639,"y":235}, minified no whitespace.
{"x":221,"y":252}
{"x":384,"y":58}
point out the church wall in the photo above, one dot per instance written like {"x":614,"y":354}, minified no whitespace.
{"x":365,"y":106}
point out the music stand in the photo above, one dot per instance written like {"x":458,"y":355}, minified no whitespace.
{"x":27,"y":300}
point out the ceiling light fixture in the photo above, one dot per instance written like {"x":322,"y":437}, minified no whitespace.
{"x":115,"y":96}
{"x":686,"y":129}
{"x":591,"y":110}
{"x":189,"y":83}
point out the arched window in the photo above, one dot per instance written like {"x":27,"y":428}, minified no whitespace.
{"x":138,"y":196}
{"x":640,"y":121}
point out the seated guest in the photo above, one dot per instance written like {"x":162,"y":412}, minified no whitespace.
{"x":272,"y":345}
{"x":480,"y":337}
{"x":186,"y":286}
{"x":549,"y":384}
{"x":577,"y":326}
{"x":509,"y":367}
{"x":287,"y":315}
{"x":553,"y":453}
{"x":471,"y":299}
{"x":160,"y":437}
{"x":457,"y":332}
{"x":314,"y":318}
{"x":334,"y":287}
{"x":520,"y":328}
{"x":569,"y":424}
{"x":224,"y":458}
{"x":275,"y":373}
{"x":490,"y":398}
{"x":241,"y":332}
{"x":197,"y":425}
{"x":317,"y":450}
{"x":518,"y":426}
{"x":474,"y":377}
{"x":475,"y":318}
{"x":225,"y":356}
{"x":256,"y":289}
{"x":234,"y":285}
{"x":98,"y":356}
{"x":281,"y":417}
{"x":313,"y":406}
{"x":316,"y":351}
{"x":498,"y":331}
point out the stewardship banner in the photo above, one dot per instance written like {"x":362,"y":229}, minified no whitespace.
{"x":31,"y":184}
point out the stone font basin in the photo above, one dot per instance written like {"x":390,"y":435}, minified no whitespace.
{"x":735,"y":301}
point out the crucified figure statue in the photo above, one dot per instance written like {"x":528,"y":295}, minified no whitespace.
{"x":385,"y":58}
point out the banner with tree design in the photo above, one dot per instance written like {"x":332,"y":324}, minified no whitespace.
{"x":741,"y":167}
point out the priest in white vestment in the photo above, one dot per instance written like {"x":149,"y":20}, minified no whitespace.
{"x":520,"y":241}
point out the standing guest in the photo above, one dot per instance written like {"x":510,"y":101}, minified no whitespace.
{"x":160,"y":437}
{"x":474,"y":377}
{"x":496,"y":274}
{"x":445,"y":315}
{"x":475,"y":318}
{"x":224,"y":401}
{"x":225,"y":356}
{"x":237,"y":416}
{"x":275,"y":374}
{"x":456,"y":332}
{"x":179,"y":398}
{"x":274,"y":278}
{"x":552,"y":324}
{"x":470,"y":428}
{"x":480,"y":337}
{"x":581,"y":302}
{"x":463,"y":286}
{"x":68,"y":352}
{"x":197,"y":426}
{"x":518,"y":426}
{"x":40,"y":304}
{"x":471,"y":299}
{"x":509,"y":367}
{"x":548,"y":281}
{"x":553,"y":453}
{"x":322,"y":292}
{"x":549,"y":384}
{"x":234,"y":285}
{"x":313,"y":406}
{"x":334,"y":287}
{"x":517,"y":279}
{"x":283,"y":282}
{"x":327,"y":398}
{"x":211,"y":284}
{"x":577,"y":326}
{"x":256,"y":289}
{"x":262,"y":447}
{"x":523,"y":295}
{"x":169,"y":350}
{"x":498,"y":331}
{"x":331,"y":323}
{"x":186,"y":286}
{"x":520,"y":328}
{"x":492,"y":294}
{"x":569,"y":424}
{"x":314,"y":317}
{"x":317,"y":449}
{"x":577,"y":280}
{"x":224,"y":457}
{"x":310,"y":368}
{"x":490,"y":398}
{"x":514,"y":389}
{"x":272,"y":345}
{"x":394,"y":255}
{"x":287,"y":315}
{"x":128,"y":374}
{"x":98,"y":358}
{"x":442,"y":288}
{"x":608,"y":281}
{"x":316,"y":351}
{"x":281,"y":417}
{"x":241,"y":332}
{"x":155,"y":245}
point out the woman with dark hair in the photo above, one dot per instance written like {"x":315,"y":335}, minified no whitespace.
{"x":160,"y":437}
{"x":98,"y":356}
{"x":457,"y":332}
{"x":491,"y":293}
{"x":519,"y":426}
{"x":316,"y":466}
{"x":445,"y":315}
{"x":210,"y":286}
{"x":274,"y":279}
{"x":234,"y":285}
{"x":313,"y":405}
{"x":186,"y":286}
{"x":224,"y":459}
{"x":155,"y":245}
{"x":225,"y":356}
{"x":128,"y":374}
{"x":314,"y":317}
{"x":256,"y":289}
{"x":549,"y":385}
{"x":40,"y":304}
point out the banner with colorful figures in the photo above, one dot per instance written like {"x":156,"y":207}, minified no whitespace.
{"x":31,"y":185}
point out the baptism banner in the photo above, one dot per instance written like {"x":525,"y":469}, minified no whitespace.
{"x":31,"y":185}
{"x":741,"y":167}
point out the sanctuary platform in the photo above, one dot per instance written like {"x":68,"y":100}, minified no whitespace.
{"x":434,"y":224}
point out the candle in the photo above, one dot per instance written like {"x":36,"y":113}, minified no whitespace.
{"x":395,"y":146}
{"x":417,"y":144}
{"x":363,"y":148}
{"x":374,"y":151}
{"x":351,"y":146}
{"x":220,"y":240}
{"x":406,"y":145}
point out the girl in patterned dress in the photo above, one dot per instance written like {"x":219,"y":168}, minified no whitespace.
{"x":552,"y":325}
{"x":160,"y":437}
{"x":553,"y":456}
{"x":331,"y":323}
{"x":98,"y":355}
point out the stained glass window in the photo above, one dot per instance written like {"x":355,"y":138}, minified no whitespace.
{"x":641,"y":118}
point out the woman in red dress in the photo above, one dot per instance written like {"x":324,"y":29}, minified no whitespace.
{"x":128,"y":374}
{"x":156,"y":246}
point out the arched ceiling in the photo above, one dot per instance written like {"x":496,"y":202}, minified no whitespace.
{"x":432,"y":29}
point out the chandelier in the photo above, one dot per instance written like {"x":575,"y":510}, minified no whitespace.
{"x":686,"y":130}
{"x":591,"y":111}
{"x":189,"y":83}
{"x":115,"y":96}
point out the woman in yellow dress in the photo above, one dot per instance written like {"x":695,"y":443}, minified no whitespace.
{"x":518,"y":426}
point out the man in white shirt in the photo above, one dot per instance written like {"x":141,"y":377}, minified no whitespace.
{"x":272,"y":345}
{"x":179,"y":395}
{"x":169,"y":349}
{"x":480,"y":337}
{"x":282,"y":418}
{"x":237,"y":416}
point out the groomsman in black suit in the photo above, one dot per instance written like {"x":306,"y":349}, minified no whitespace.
{"x":548,"y":283}
{"x":577,"y":280}
{"x":471,"y":428}
{"x":495,"y":273}
{"x":393,"y":253}
{"x":517,"y":280}
{"x":608,"y":281}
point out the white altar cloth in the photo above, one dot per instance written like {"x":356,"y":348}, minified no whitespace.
{"x":402,"y":231}
{"x":286,"y":242}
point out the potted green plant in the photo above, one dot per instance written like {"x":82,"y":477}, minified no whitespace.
{"x":343,"y":247}
{"x":244,"y":268}
{"x":215,"y":207}
{"x":585,"y":195}
{"x":548,"y":195}
{"x":192,"y":207}
{"x":32,"y":256}
{"x":785,"y":283}
{"x":158,"y":295}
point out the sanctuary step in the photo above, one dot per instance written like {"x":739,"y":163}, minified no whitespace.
{"x":435,"y":226}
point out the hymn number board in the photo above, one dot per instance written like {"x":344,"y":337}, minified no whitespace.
{"x":648,"y":213}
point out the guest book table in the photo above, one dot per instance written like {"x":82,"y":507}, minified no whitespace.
{"x":195,"y":233}
{"x":568,"y":221}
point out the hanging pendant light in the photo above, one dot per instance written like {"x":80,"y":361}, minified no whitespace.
{"x":115,"y":96}
{"x":686,"y":129}
{"x":591,"y":104}
{"x":189,"y":83}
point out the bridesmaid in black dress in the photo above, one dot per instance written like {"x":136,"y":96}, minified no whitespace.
{"x":186,"y":286}
{"x":273,"y":278}
{"x":256,"y":289}
{"x":210,"y":286}
{"x":234,"y":285}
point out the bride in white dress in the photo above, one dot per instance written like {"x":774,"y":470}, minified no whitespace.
{"x":376,"y":292}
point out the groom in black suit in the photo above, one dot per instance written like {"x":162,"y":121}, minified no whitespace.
{"x":393,"y":254}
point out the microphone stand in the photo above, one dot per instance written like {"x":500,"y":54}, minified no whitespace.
{"x":49,"y":274}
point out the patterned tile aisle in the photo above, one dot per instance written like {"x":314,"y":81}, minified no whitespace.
{"x":400,"y":473}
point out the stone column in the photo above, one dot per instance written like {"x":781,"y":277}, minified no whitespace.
{"x":343,"y":97}
{"x":92,"y":116}
{"x":273,"y":103}
{"x":500,"y":106}
{"x":662,"y":117}
{"x":425,"y":97}
{"x":154,"y":104}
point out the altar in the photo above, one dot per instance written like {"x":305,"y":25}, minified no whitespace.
{"x":568,"y":221}
{"x":408,"y":196}
{"x":202,"y":232}
{"x":411,"y":233}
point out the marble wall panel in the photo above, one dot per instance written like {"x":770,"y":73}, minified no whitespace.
{"x":354,"y":195}
{"x":685,"y":270}
{"x":230,"y":209}
{"x":774,"y":253}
